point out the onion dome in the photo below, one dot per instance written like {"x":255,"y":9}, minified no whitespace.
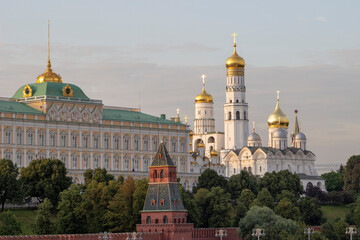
{"x":279,"y":133}
{"x":300,"y":136}
{"x":201,"y":145}
{"x":235,"y":61}
{"x":203,"y":97}
{"x":191,"y":134}
{"x":278,"y":119}
{"x":214,"y":153}
{"x":49,"y":75}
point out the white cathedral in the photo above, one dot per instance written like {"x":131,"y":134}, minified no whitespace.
{"x":235,"y":149}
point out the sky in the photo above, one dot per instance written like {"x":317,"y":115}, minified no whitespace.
{"x":156,"y":51}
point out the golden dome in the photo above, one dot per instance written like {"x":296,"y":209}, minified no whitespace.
{"x":235,"y":61}
{"x":214,"y":153}
{"x":278,"y":118}
{"x":201,"y":145}
{"x":49,"y":75}
{"x":191,"y":134}
{"x":204,"y":97}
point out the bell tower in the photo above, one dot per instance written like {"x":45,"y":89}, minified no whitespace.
{"x":236,"y":115}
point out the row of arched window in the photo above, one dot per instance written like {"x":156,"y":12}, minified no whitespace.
{"x":237,"y":115}
{"x":165,"y":220}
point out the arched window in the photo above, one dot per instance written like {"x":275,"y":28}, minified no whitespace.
{"x":155,"y":174}
{"x":162,"y":174}
{"x":245,"y":115}
{"x":229,"y":116}
{"x":237,"y":100}
{"x":237,"y":115}
{"x":157,"y":221}
{"x":165,"y":219}
{"x":148,"y":220}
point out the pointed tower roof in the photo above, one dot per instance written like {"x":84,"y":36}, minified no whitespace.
{"x":296,"y":125}
{"x":162,"y":157}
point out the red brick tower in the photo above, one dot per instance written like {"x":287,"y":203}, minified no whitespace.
{"x":163,"y":208}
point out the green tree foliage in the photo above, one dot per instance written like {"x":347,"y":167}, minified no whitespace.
{"x":189,"y":205}
{"x":334,"y":181}
{"x":99,"y":175}
{"x":264,"y":217}
{"x":247,"y":197}
{"x":340,"y":229}
{"x":124,"y":209}
{"x":310,"y":211}
{"x":209,"y":179}
{"x":327,"y":229}
{"x":287,"y":194}
{"x":10,"y":189}
{"x":213,"y":207}
{"x":43,"y":224}
{"x":352,"y":174}
{"x":288,"y":210}
{"x":244,"y":180}
{"x":8,"y":224}
{"x":45,"y":178}
{"x":240,"y":212}
{"x":71,"y":216}
{"x":264,"y":198}
{"x":276,"y":182}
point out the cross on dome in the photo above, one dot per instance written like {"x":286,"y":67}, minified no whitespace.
{"x":278,"y":94}
{"x":235,"y":35}
{"x":203,"y":78}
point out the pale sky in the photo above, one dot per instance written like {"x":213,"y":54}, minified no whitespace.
{"x":117,"y":51}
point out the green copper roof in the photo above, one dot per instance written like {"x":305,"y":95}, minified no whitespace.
{"x":168,"y":193}
{"x":17,"y":107}
{"x":50,"y":89}
{"x":132,"y":116}
{"x":162,"y":157}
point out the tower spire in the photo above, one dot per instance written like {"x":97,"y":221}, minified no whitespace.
{"x":203,"y":80}
{"x":296,"y":125}
{"x":253,"y":126}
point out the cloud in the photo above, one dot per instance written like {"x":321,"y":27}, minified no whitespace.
{"x":320,"y":19}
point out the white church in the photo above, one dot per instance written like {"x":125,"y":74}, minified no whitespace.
{"x":235,"y":149}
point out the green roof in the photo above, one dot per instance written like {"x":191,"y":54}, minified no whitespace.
{"x":17,"y":107}
{"x":133,"y":116}
{"x":50,"y":89}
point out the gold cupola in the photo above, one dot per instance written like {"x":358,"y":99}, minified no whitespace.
{"x":235,"y":61}
{"x":203,"y":97}
{"x":49,"y":75}
{"x":278,"y":118}
{"x":214,"y":153}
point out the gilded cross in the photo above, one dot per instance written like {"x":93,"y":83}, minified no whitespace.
{"x":203,"y":78}
{"x":278,"y":94}
{"x":234,"y":35}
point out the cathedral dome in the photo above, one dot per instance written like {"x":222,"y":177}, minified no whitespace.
{"x":300,"y":136}
{"x":49,"y":75}
{"x":279,"y":133}
{"x":278,"y":118}
{"x":214,"y":153}
{"x":203,"y":97}
{"x":254,"y":137}
{"x":235,"y":61}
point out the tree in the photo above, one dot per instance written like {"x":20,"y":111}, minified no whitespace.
{"x":247,"y":197}
{"x":45,"y":178}
{"x":189,"y":205}
{"x":264,"y":198}
{"x":287,"y":194}
{"x":43,"y":224}
{"x":71,"y":217}
{"x":315,"y":192}
{"x":327,"y":230}
{"x":276,"y":182}
{"x":334,"y":181}
{"x":9,"y":184}
{"x":201,"y":203}
{"x":244,"y":180}
{"x":340,"y":228}
{"x":209,"y":179}
{"x":240,"y":212}
{"x":352,"y":174}
{"x":310,"y":211}
{"x":264,"y":217}
{"x":8,"y":224}
{"x":141,"y":187}
{"x":99,"y":175}
{"x":288,"y":210}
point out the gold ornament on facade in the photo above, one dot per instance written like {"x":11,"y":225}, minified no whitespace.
{"x":203,"y":97}
{"x":214,"y":153}
{"x":278,"y":118}
{"x":201,"y":145}
{"x":27,"y":92}
{"x":67,"y":91}
{"x":191,"y":134}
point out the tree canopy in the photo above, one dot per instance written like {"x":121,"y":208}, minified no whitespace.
{"x":239,"y":182}
{"x":352,"y":174}
{"x":9,"y":185}
{"x":209,"y":179}
{"x":45,"y":178}
{"x":334,"y":181}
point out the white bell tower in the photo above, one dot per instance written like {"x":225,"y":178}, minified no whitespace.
{"x":236,"y":115}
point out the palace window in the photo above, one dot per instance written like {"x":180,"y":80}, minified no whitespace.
{"x":107,"y":163}
{"x":63,"y":159}
{"x":19,"y":138}
{"x":30,"y":157}
{"x":136,"y":143}
{"x":148,"y":220}
{"x":74,"y":141}
{"x":237,"y":115}
{"x":117,"y":164}
{"x":74,"y":164}
{"x":19,"y":160}
{"x":106,"y":142}
{"x":8,"y":155}
{"x":86,"y":162}
{"x":96,"y":142}
{"x":30,"y":138}
{"x":63,"y":139}
{"x":41,"y":139}
{"x":182,"y":145}
{"x":117,"y":143}
{"x":146,"y":164}
{"x":52,"y":140}
{"x":126,"y":143}
{"x":165,"y":141}
{"x":7,"y":137}
{"x":85,"y":141}
{"x":146,"y":144}
{"x":136,"y":164}
{"x":155,"y":144}
{"x":96,"y":162}
{"x":127,"y":164}
{"x":173,"y":145}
